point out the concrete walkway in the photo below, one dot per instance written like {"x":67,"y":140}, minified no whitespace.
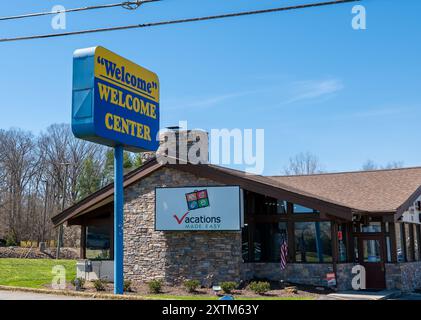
{"x":18,"y":295}
{"x":409,"y":296}
{"x":363,"y":295}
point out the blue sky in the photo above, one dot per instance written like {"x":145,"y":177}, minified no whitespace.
{"x":306,"y":77}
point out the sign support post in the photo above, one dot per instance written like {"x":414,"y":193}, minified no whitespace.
{"x":118,"y":220}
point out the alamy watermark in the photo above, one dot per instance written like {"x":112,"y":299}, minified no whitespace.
{"x":58,"y":22}
{"x":235,"y":146}
{"x":59,"y":277}
{"x":359,"y":280}
{"x":359,"y":21}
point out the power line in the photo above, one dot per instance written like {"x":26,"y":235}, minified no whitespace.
{"x":130,"y":5}
{"x":161,"y":23}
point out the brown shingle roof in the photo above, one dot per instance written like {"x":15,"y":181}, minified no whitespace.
{"x":371,"y":191}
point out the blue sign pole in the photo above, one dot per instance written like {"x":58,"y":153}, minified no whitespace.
{"x":118,"y":220}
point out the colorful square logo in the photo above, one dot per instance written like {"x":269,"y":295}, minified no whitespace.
{"x":197,"y":199}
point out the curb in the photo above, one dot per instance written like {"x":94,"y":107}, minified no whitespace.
{"x":393,"y":295}
{"x":350,"y":296}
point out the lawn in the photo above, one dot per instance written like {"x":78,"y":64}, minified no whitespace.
{"x":37,"y":273}
{"x":32,"y":273}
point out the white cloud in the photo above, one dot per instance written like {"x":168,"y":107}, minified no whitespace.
{"x":313,"y":89}
{"x":285,"y":93}
{"x":205,"y":102}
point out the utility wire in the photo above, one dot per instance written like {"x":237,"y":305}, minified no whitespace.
{"x":130,"y":5}
{"x":161,"y":23}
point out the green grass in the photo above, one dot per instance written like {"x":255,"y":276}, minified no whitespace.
{"x":204,"y":297}
{"x":37,"y":273}
{"x":32,"y":273}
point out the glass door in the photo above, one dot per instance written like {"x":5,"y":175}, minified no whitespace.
{"x":371,"y":254}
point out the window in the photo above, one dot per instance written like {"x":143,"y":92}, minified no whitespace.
{"x":313,"y":242}
{"x":388,"y":250}
{"x":371,"y":251}
{"x":282,"y":207}
{"x":400,"y":251}
{"x":98,"y":243}
{"x":356,"y":249}
{"x":371,"y":227}
{"x":342,"y":242}
{"x":267,"y":240}
{"x":301,"y":209}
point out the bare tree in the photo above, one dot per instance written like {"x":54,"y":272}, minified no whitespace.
{"x":26,"y":163}
{"x":303,"y":163}
{"x":394,"y":165}
{"x":60,"y":149}
{"x":19,"y":164}
{"x":370,"y":165}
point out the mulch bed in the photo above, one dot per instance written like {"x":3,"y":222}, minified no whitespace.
{"x":278,"y":290}
{"x":34,"y":253}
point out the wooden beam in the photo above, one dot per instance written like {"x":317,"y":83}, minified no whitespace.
{"x":291,"y":234}
{"x":411,"y":241}
{"x":83,"y":242}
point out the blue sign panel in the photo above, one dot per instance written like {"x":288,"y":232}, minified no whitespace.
{"x":115,"y":102}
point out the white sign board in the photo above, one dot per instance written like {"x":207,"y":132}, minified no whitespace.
{"x":198,"y":208}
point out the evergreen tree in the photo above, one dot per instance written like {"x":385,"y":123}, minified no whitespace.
{"x":127,"y":161}
{"x":137,"y":162}
{"x":89,"y":179}
{"x":108,"y":173}
{"x":128,"y":165}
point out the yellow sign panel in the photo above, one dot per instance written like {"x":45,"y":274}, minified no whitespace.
{"x":115,"y":101}
{"x":113,"y":68}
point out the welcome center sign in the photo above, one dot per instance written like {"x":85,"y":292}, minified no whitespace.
{"x":198,"y":208}
{"x":115,"y":101}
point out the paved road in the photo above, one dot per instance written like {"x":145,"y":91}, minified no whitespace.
{"x":17,"y":295}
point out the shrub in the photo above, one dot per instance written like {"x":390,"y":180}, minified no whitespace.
{"x":11,"y":240}
{"x":80,"y":280}
{"x":228,"y":286}
{"x":99,"y":285}
{"x":259,"y":287}
{"x":155,"y":286}
{"x":191,"y":285}
{"x":127,"y":286}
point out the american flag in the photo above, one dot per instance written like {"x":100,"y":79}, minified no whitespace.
{"x":284,"y":254}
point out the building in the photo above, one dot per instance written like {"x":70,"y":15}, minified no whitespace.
{"x":332,"y":222}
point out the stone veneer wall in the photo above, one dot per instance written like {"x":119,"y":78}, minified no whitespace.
{"x":173,"y":256}
{"x":404,"y":276}
{"x":299,"y":273}
{"x":344,"y":276}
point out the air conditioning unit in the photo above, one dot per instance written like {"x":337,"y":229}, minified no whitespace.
{"x":84,"y":266}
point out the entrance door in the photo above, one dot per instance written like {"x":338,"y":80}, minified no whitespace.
{"x":371,"y":253}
